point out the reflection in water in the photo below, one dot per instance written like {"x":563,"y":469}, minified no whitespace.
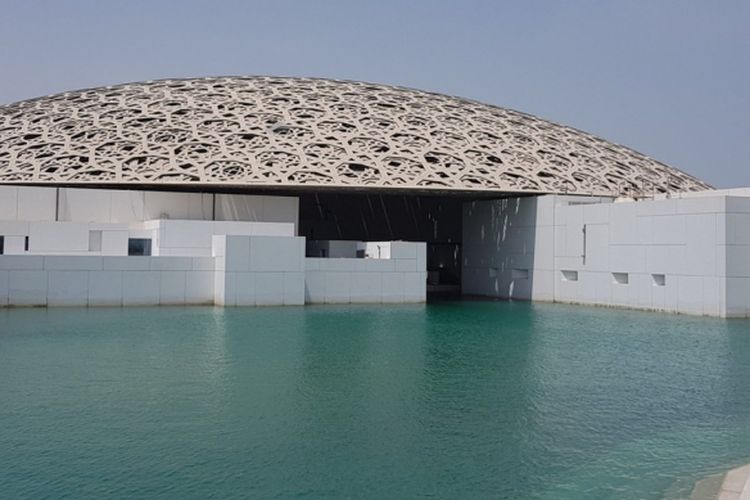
{"x":449,"y":400}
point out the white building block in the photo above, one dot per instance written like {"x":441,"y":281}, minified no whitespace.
{"x":270,"y":253}
{"x":366,"y":287}
{"x":15,"y":245}
{"x":170,"y":263}
{"x":127,"y":206}
{"x":4,"y":283}
{"x":415,"y":286}
{"x":84,"y":205}
{"x":669,"y":229}
{"x":72,"y":263}
{"x":140,"y":288}
{"x":393,"y":287}
{"x":67,"y":288}
{"x":114,"y":242}
{"x":294,"y":288}
{"x":58,"y":237}
{"x":315,"y":287}
{"x":171,"y":287}
{"x":244,"y":284}
{"x":403,"y":250}
{"x":338,"y":287}
{"x":37,"y":203}
{"x":269,"y":288}
{"x":8,"y":204}
{"x":13,"y":227}
{"x":238,"y":253}
{"x":21,"y":262}
{"x":199,"y":287}
{"x":132,"y":263}
{"x":105,"y":288}
{"x":27,"y":288}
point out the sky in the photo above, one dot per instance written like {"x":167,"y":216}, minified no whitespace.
{"x":669,"y":78}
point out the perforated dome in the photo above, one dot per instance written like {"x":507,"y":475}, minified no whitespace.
{"x":298,"y":132}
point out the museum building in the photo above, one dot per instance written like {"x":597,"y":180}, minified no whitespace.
{"x":285,"y":191}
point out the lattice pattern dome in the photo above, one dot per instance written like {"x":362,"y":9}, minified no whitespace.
{"x":300,"y":132}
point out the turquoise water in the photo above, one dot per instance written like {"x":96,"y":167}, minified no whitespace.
{"x":447,"y":400}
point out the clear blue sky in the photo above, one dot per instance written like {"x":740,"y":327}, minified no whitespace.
{"x":670,"y":78}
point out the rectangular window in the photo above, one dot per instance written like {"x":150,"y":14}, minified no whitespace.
{"x":26,"y":244}
{"x":139,"y":246}
{"x":520,"y":274}
{"x":95,"y":241}
{"x":2,"y":245}
{"x":569,"y":275}
{"x":621,"y":278}
{"x":659,"y":279}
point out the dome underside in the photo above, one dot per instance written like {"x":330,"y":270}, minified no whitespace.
{"x":296,"y":132}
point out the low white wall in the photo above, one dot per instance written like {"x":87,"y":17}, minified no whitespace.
{"x":402,"y":278}
{"x":33,"y":280}
{"x":689,"y":255}
{"x":242,"y":271}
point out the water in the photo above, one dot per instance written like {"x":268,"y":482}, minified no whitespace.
{"x":448,"y":400}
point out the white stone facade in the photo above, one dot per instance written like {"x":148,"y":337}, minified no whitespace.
{"x":688,"y":255}
{"x":69,"y":247}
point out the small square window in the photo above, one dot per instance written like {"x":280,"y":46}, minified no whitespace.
{"x":621,"y":278}
{"x":519,"y":274}
{"x":659,"y":279}
{"x":139,"y":246}
{"x":569,"y":275}
{"x":95,"y":241}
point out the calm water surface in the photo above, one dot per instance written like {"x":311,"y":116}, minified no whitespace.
{"x":447,"y":400}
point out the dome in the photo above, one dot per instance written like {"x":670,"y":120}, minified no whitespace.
{"x":269,"y":132}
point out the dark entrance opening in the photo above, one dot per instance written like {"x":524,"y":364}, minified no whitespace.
{"x":436,"y":220}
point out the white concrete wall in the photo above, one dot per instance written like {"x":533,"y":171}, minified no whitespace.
{"x":689,"y":255}
{"x":34,"y":280}
{"x":677,"y":240}
{"x":259,"y":270}
{"x":737,"y":255}
{"x":28,"y":203}
{"x":400,"y":279}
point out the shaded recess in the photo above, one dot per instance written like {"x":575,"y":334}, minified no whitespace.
{"x":435,"y":220}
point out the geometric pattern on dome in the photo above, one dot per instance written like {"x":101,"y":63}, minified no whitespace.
{"x":304,"y":132}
